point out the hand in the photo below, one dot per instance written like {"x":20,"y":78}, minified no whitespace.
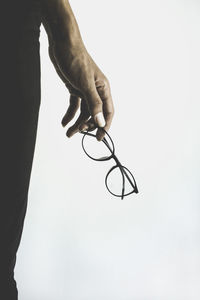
{"x":88,"y":87}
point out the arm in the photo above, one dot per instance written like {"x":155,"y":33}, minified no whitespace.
{"x":88,"y":87}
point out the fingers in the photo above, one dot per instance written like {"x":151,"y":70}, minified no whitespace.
{"x":95,"y":106}
{"x":88,"y":125}
{"x":74,"y":103}
{"x":103,"y":90}
{"x":100,"y":106}
{"x":75,"y":128}
{"x":83,"y":117}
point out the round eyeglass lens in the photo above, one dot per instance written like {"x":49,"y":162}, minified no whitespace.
{"x":114,"y":181}
{"x":97,"y":150}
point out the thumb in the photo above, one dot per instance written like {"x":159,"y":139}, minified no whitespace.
{"x":95,"y":107}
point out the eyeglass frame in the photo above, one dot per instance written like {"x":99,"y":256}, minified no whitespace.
{"x":118,"y":164}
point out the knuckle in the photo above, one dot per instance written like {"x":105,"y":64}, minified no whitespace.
{"x":104,"y":90}
{"x":107,"y":83}
{"x":105,"y":79}
{"x":104,"y":84}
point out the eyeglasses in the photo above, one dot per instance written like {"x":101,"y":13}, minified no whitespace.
{"x":88,"y":142}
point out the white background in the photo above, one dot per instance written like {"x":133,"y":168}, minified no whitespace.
{"x":79,"y":242}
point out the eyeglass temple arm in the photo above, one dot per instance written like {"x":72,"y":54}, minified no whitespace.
{"x":123,"y":184}
{"x":125,"y":173}
{"x":107,"y":144}
{"x":122,"y":169}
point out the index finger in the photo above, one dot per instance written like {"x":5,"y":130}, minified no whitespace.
{"x":108,"y":107}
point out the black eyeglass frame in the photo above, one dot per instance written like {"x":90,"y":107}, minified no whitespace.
{"x":122,"y":168}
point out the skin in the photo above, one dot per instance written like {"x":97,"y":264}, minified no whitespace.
{"x":88,"y":87}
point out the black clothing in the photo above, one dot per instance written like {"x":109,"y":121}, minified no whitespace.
{"x":19,"y":108}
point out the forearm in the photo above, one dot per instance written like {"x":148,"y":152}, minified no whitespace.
{"x":60,"y":23}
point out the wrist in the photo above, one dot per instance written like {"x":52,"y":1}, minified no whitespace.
{"x":60,"y":23}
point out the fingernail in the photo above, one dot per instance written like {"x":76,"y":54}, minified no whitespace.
{"x":99,"y":119}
